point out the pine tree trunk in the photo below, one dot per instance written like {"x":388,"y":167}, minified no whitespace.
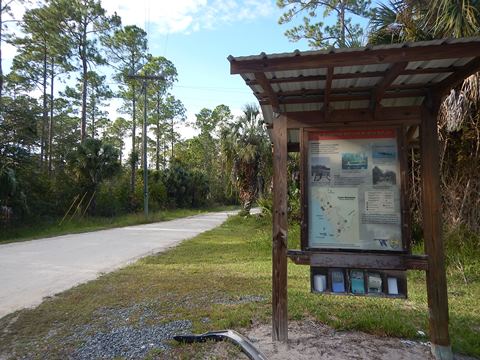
{"x":164,"y":156}
{"x":50,"y":123}
{"x":172,"y":140}
{"x":342,"y":24}
{"x":44,"y":108}
{"x":83,"y":56}
{"x":93,"y":117}
{"x":157,"y":145}
{"x":1,"y":65}
{"x":134,"y":128}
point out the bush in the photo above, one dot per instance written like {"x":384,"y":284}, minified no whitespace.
{"x":462,"y":252}
{"x":157,"y":193}
{"x":266,"y":205}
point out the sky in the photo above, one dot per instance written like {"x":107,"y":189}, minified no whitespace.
{"x":198,"y":36}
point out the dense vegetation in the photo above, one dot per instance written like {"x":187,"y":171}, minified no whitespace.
{"x":61,"y":149}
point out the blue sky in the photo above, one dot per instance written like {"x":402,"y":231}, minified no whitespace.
{"x":200,"y":52}
{"x":197,"y":36}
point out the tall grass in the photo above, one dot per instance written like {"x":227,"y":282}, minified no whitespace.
{"x":53,"y":227}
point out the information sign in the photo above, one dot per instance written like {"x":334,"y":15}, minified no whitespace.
{"x":354,"y":190}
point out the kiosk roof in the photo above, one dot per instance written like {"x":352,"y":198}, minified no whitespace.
{"x":368,"y":78}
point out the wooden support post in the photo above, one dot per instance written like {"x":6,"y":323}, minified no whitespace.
{"x":279,"y":248}
{"x":432,"y":233}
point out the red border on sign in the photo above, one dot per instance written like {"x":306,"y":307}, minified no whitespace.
{"x":352,"y":134}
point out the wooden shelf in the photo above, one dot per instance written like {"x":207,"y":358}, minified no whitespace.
{"x":361,"y":260}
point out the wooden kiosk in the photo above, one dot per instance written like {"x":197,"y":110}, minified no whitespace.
{"x":395,"y":90}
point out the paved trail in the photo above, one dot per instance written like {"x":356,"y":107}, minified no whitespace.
{"x":31,"y":270}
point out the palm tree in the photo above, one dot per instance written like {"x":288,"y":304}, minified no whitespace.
{"x":398,"y":21}
{"x":245,"y":147}
{"x":93,"y":162}
{"x":417,"y":20}
{"x":459,"y":117}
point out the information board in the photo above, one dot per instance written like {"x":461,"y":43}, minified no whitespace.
{"x":354,"y":190}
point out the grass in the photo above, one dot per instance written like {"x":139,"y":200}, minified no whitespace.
{"x":205,"y":279}
{"x":74,"y":226}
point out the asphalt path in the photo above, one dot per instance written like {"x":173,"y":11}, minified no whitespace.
{"x":32,"y":270}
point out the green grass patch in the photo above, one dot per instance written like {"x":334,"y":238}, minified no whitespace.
{"x":75,"y":226}
{"x":222,"y":279}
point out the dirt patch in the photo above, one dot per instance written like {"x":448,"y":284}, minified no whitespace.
{"x":311,"y":340}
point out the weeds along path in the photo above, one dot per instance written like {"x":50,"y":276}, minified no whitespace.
{"x":32,"y":270}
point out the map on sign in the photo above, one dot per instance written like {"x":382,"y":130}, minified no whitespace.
{"x":354,"y":190}
{"x":336,"y":213}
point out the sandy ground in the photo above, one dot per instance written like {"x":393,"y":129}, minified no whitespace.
{"x":311,"y":340}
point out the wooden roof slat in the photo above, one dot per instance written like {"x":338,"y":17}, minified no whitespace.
{"x":346,"y":91}
{"x":355,"y":75}
{"x":438,"y":70}
{"x":457,"y":77}
{"x":267,"y":88}
{"x":360,"y":57}
{"x":290,"y":79}
{"x":380,"y":89}
{"x":344,"y":97}
{"x":328,"y":87}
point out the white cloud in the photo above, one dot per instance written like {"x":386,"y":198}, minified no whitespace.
{"x":8,"y":51}
{"x":187,"y":15}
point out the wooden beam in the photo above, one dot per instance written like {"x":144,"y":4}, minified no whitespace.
{"x":304,"y":181}
{"x":356,"y":75}
{"x":360,"y":57}
{"x":456,"y":78}
{"x":267,"y":88}
{"x":409,"y":115}
{"x":343,"y":97}
{"x":321,"y":92}
{"x":300,"y":78}
{"x":432,"y":234}
{"x":438,"y":70}
{"x":410,"y":133}
{"x":312,"y":96}
{"x":293,"y":147}
{"x":380,"y":89}
{"x":364,"y":260}
{"x":328,"y":87}
{"x":279,"y":246}
{"x":358,"y":260}
{"x":351,"y":90}
{"x":404,"y":189}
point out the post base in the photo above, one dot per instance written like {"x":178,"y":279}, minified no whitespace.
{"x":441,"y":352}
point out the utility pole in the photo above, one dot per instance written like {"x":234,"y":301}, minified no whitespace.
{"x":145,"y":79}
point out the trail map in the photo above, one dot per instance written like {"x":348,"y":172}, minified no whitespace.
{"x":354,"y":190}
